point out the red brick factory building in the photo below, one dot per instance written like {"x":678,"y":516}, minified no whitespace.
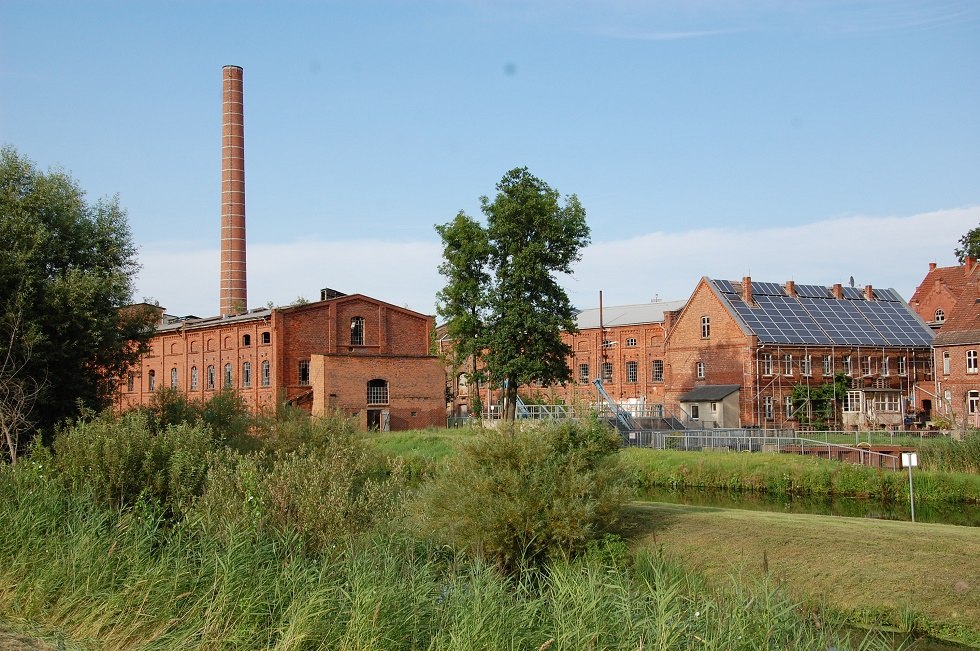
{"x":352,"y":354}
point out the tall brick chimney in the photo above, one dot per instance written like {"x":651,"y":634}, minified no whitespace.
{"x":869,"y":292}
{"x":747,"y":290}
{"x":837,"y":291}
{"x":791,"y":288}
{"x":234,"y":299}
{"x":969,"y":262}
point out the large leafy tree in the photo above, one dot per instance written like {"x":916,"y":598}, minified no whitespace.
{"x":531,"y":236}
{"x":66,"y":272}
{"x":465,"y":255}
{"x":969,"y":245}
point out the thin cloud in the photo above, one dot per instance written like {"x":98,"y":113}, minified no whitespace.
{"x":887,"y":252}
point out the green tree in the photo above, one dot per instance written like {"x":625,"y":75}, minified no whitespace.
{"x":522,"y":310}
{"x":969,"y":245}
{"x":819,"y":406}
{"x":66,"y":272}
{"x":465,"y":255}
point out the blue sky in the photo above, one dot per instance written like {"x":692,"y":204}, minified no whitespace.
{"x":807,"y":140}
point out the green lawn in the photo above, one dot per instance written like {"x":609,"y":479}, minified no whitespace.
{"x":873,"y":570}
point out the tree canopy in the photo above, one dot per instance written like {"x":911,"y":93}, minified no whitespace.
{"x":969,"y":245}
{"x":66,"y":270}
{"x":502,"y":293}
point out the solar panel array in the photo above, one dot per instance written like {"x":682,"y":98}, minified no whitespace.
{"x":816,"y":318}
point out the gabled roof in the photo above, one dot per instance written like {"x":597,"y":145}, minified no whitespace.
{"x":962,"y":326}
{"x":815,"y":317}
{"x":949,"y":280}
{"x":621,"y":315}
{"x":712,"y":392}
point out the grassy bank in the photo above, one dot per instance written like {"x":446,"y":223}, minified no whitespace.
{"x":913,"y":576}
{"x":786,"y":474}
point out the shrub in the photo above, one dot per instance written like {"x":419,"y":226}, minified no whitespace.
{"x":524,"y":496}
{"x":120,"y":460}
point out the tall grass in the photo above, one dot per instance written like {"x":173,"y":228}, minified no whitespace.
{"x":782,"y":474}
{"x":949,"y":455}
{"x":124,"y":579}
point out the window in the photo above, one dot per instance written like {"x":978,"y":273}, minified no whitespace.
{"x":607,"y":372}
{"x":583,"y":373}
{"x":631,"y":372}
{"x":130,"y":381}
{"x":695,"y":412}
{"x":228,"y":376}
{"x":194,"y":378}
{"x":630,"y":342}
{"x":210,"y":345}
{"x":705,"y":327}
{"x":767,"y":407}
{"x":246,"y":340}
{"x":901,"y":365}
{"x":266,"y":337}
{"x":866,"y":365}
{"x":940,"y":315}
{"x":885,"y":364}
{"x":946,"y":362}
{"x":152,"y":380}
{"x":699,"y":370}
{"x":377,"y":392}
{"x":266,"y":373}
{"x":806,"y":366}
{"x":211,"y":378}
{"x":787,"y":364}
{"x":461,"y":381}
{"x":173,"y":378}
{"x":766,"y":364}
{"x":357,"y":331}
{"x":788,"y":406}
{"x":247,"y":374}
{"x":886,"y":401}
{"x":304,"y":371}
{"x":846,"y":361}
{"x":828,"y":365}
{"x":852,"y":402}
{"x":973,"y":402}
{"x":971,"y":361}
{"x":658,"y":370}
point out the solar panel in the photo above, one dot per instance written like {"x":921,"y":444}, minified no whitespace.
{"x":888,"y":295}
{"x":853,"y":293}
{"x":725,"y":286}
{"x":813,"y":291}
{"x":767,"y":289}
{"x":896,"y":324}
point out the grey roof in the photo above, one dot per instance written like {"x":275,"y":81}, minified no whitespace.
{"x":620,"y":315}
{"x":709,"y":392}
{"x":815,"y":317}
{"x":173,"y":323}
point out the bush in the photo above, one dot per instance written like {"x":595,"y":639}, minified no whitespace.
{"x":322,"y":486}
{"x":121,"y":460}
{"x":522,"y":497}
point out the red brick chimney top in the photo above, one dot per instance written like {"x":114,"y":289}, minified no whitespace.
{"x":747,"y":290}
{"x":838,"y":291}
{"x":970,"y":263}
{"x":869,"y":292}
{"x":791,"y":288}
{"x":932,"y":266}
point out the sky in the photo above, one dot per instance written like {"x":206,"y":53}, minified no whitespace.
{"x":806,"y":140}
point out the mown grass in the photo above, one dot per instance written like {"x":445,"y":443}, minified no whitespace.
{"x":785,"y":474}
{"x":924,"y":577}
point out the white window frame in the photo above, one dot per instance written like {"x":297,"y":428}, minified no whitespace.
{"x":631,"y":342}
{"x":247,"y":375}
{"x":902,"y":365}
{"x":607,"y":372}
{"x":971,"y":361}
{"x":846,"y":362}
{"x":194,"y":378}
{"x":658,"y":370}
{"x":303,"y":375}
{"x":583,"y":373}
{"x":173,"y":378}
{"x":632,"y":372}
{"x":828,"y":365}
{"x":767,"y":407}
{"x":705,"y":327}
{"x":266,"y":373}
{"x":945,"y":362}
{"x":699,"y":370}
{"x":806,"y":366}
{"x":788,"y":406}
{"x":788,"y":365}
{"x":940,"y":315}
{"x":766,"y":364}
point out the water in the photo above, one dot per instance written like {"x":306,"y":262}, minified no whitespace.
{"x":967,"y":515}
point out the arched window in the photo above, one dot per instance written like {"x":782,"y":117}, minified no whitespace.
{"x":461,"y":381}
{"x":173,"y":378}
{"x":193,"y":378}
{"x":266,"y":373}
{"x":377,"y":392}
{"x":152,"y":381}
{"x":211,"y":378}
{"x":266,"y":337}
{"x":705,"y":327}
{"x":210,"y":345}
{"x":193,"y":346}
{"x":940,"y":315}
{"x":357,"y":331}
{"x":228,"y":376}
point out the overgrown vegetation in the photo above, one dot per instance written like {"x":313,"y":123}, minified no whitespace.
{"x":147,"y":531}
{"x":819,"y":406}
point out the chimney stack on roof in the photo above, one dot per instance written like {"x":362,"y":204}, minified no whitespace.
{"x":747,"y":290}
{"x":837,"y":291}
{"x":869,"y":292}
{"x":932,"y":266}
{"x":791,"y":288}
{"x":234,"y":299}
{"x":970,"y":263}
